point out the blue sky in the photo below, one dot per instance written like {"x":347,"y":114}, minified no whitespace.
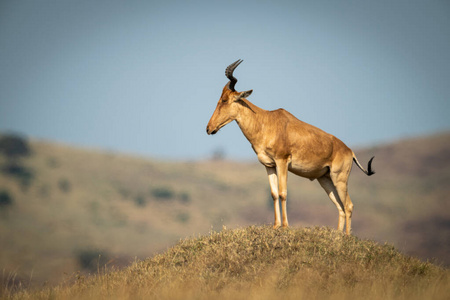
{"x":144,"y":77}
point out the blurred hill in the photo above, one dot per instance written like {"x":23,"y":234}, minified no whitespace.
{"x":64,"y":209}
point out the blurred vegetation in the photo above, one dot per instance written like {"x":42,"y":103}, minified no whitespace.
{"x":166,"y":193}
{"x":18,"y":171}
{"x":185,"y":197}
{"x":14,"y":146}
{"x":64,"y":185}
{"x":6,"y":199}
{"x":92,"y":260}
{"x":183,"y":217}
{"x":139,"y":200}
{"x":162,"y":193}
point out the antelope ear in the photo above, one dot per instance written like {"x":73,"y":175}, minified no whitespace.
{"x":243,"y":95}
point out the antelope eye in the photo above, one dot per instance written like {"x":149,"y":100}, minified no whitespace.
{"x":224,"y":100}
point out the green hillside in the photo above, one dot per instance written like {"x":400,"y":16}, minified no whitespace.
{"x":262,"y":263}
{"x":65,"y":209}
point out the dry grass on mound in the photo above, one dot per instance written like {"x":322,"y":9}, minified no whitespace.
{"x":262,"y":263}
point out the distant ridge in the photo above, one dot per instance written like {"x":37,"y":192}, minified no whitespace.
{"x":64,"y":207}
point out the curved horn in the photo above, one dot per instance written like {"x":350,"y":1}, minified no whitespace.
{"x":229,"y":73}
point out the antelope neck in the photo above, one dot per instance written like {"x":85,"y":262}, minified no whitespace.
{"x":249,"y":121}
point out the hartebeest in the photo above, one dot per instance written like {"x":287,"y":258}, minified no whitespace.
{"x":283,"y":143}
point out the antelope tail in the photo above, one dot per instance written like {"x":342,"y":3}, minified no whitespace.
{"x":369,"y":170}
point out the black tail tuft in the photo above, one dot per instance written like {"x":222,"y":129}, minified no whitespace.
{"x":369,"y":167}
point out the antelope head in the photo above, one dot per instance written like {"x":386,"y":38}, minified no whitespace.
{"x":228,"y":106}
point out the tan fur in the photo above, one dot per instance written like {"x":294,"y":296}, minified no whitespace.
{"x":283,"y":143}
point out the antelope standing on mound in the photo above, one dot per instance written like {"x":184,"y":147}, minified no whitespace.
{"x":283,"y":143}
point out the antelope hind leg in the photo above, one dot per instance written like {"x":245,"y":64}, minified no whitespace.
{"x":327,"y":184}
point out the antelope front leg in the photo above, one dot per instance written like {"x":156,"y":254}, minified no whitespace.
{"x":282,"y":169}
{"x":273,"y":181}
